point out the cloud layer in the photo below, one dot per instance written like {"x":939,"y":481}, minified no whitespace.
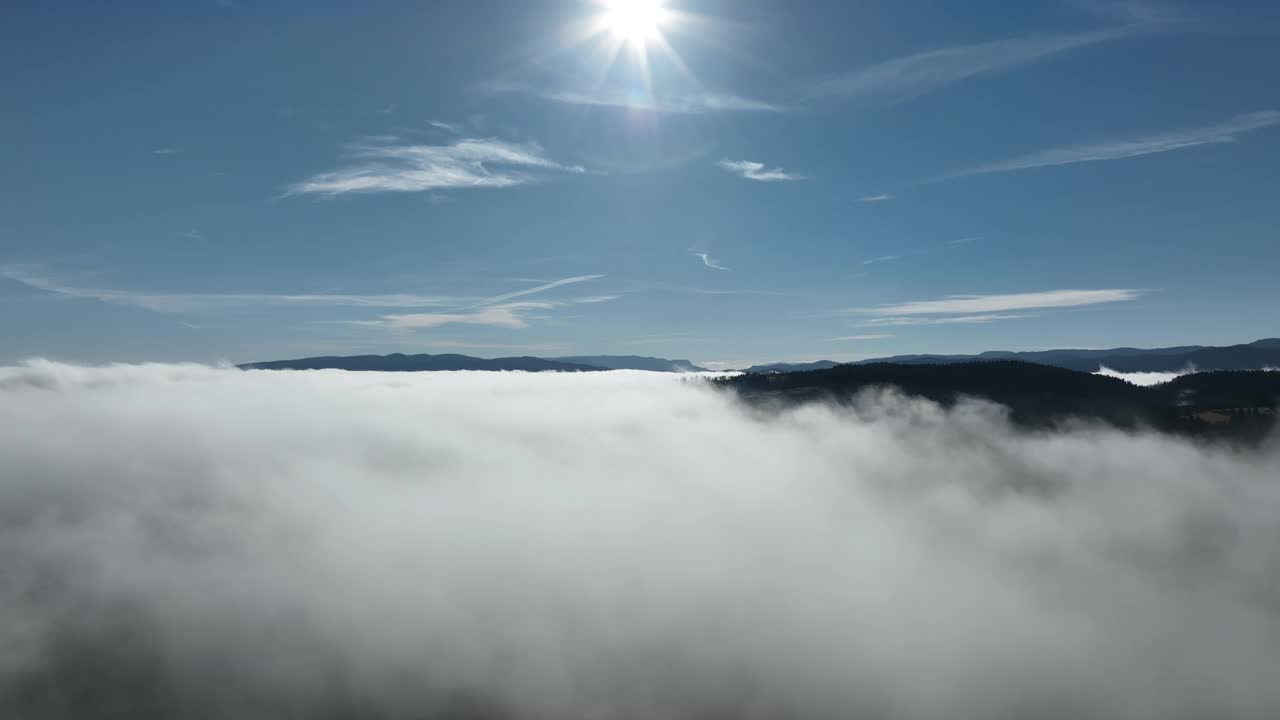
{"x":178,"y":302}
{"x":692,"y":103}
{"x":465,"y":163}
{"x":710,"y":262}
{"x":493,"y":311}
{"x":1224,"y":132}
{"x":964,"y":304}
{"x":1143,"y":378}
{"x":183,"y":541}
{"x":910,"y":76}
{"x":750,"y":170}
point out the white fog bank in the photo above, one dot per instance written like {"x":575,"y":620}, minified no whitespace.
{"x":1144,"y":378}
{"x":185,"y":541}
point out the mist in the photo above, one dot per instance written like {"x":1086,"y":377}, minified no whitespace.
{"x":199,"y":542}
{"x":1144,"y":378}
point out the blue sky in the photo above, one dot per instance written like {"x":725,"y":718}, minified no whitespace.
{"x":727,"y":182}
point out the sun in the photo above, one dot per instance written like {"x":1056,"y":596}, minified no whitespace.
{"x":637,"y":22}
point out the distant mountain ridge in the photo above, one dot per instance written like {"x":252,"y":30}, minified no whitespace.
{"x":633,"y":362}
{"x":398,"y":362}
{"x":792,"y":367}
{"x":1248,"y":356}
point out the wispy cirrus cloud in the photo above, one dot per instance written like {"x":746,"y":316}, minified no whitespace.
{"x":465,"y":163}
{"x":711,"y":262}
{"x":875,"y":198}
{"x":691,"y":103}
{"x":881,"y":259}
{"x":508,"y":315}
{"x":494,"y":311}
{"x":514,"y":315}
{"x":910,"y":76}
{"x":446,"y":127}
{"x":540,"y":288}
{"x":1226,"y":131}
{"x":946,"y":320}
{"x":969,"y":304}
{"x":875,"y":336}
{"x":170,"y":302}
{"x":459,"y":309}
{"x":166,"y":151}
{"x":750,"y":170}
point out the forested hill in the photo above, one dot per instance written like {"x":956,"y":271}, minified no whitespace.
{"x":1229,"y":402}
{"x":1246,"y":356}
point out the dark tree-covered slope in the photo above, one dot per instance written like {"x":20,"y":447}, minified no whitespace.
{"x":1229,"y":403}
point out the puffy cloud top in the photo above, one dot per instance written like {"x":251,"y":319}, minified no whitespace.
{"x":186,"y":541}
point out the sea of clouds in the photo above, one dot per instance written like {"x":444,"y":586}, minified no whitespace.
{"x":182,"y":541}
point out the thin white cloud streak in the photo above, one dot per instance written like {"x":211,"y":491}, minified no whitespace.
{"x":757,"y":171}
{"x":882,"y":258}
{"x":687,"y":104}
{"x":961,"y":304}
{"x":181,"y":541}
{"x":514,"y":315}
{"x":907,"y":77}
{"x":196,"y":302}
{"x":954,"y":320}
{"x":541,"y":288}
{"x":510,"y":315}
{"x":876,"y":336}
{"x":466,"y":163}
{"x":192,"y":302}
{"x":447,"y":127}
{"x":882,"y":197}
{"x":711,"y":262}
{"x":166,"y":151}
{"x":1227,"y":131}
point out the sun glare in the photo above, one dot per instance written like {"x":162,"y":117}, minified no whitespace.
{"x":635,"y":21}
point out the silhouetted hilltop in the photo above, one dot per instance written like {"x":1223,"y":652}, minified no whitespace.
{"x":633,"y":362}
{"x":1248,"y":356}
{"x":398,"y":362}
{"x":792,"y":367}
{"x":1229,"y":403}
